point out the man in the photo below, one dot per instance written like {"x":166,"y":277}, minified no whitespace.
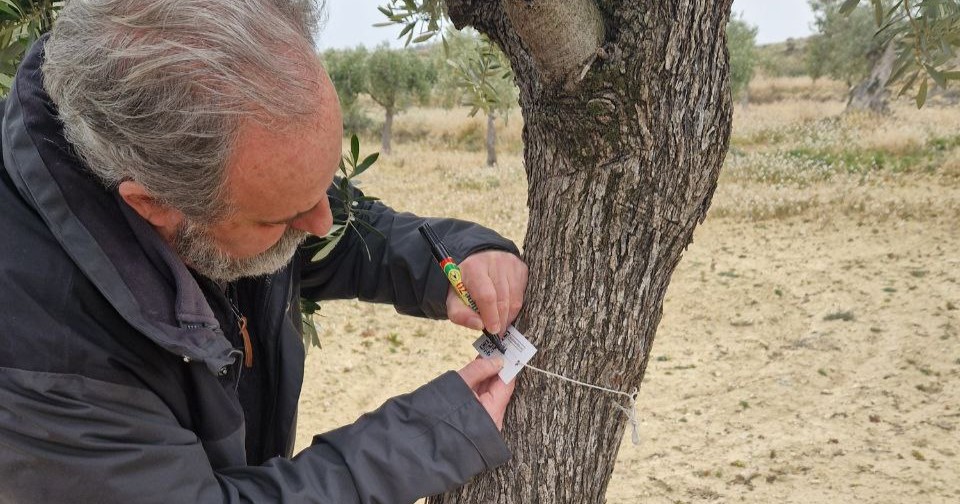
{"x":163,"y":163}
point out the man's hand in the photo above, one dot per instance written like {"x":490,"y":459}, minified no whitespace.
{"x":496,"y":280}
{"x":493,"y":394}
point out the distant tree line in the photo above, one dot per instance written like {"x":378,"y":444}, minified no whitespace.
{"x":463,"y":70}
{"x":874,"y":46}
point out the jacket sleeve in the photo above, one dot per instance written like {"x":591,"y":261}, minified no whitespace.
{"x":394,"y":266}
{"x":67,"y":438}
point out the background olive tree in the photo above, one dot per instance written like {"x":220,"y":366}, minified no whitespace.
{"x":921,"y":39}
{"x":481,"y":77}
{"x":844,"y":46}
{"x":348,"y":71}
{"x":742,"y":45}
{"x":395,"y":80}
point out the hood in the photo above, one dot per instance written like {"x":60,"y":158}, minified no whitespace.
{"x":116,"y":249}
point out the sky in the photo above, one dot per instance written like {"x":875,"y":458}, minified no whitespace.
{"x":349,"y":22}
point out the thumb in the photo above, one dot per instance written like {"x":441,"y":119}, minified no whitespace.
{"x":460,"y":314}
{"x":481,"y":370}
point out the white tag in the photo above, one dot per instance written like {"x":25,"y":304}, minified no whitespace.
{"x":519,"y":352}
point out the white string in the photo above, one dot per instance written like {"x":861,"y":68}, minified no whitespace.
{"x":630,"y":411}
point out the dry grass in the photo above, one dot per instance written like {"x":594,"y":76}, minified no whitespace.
{"x":765,"y":89}
{"x":450,"y":129}
{"x":787,"y":159}
{"x":763,"y":124}
{"x":457,"y":184}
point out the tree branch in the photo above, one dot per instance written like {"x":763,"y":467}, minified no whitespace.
{"x":561,"y":35}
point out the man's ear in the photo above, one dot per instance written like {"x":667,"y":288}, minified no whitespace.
{"x":164,"y":218}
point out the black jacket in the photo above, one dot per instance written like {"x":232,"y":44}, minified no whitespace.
{"x":118,"y":383}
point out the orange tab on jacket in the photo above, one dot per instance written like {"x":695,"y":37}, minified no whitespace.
{"x":247,"y":344}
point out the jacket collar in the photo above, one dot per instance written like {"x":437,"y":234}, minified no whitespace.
{"x":115,"y":248}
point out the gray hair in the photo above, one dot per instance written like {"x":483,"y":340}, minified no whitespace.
{"x":155,"y":91}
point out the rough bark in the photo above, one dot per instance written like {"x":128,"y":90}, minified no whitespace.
{"x":491,"y":140}
{"x":386,"y":132}
{"x":621,"y":165}
{"x":872,"y":95}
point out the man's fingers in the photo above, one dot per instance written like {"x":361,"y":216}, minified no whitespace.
{"x":460,"y":314}
{"x":485,"y":295}
{"x":496,"y":281}
{"x":499,"y":393}
{"x":518,"y":286}
{"x":480,"y":370}
{"x":502,"y":284}
{"x":494,"y":395}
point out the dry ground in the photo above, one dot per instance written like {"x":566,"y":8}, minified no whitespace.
{"x":810,"y":345}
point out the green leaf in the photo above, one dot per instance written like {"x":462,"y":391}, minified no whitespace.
{"x":367,"y":163}
{"x":310,"y":336}
{"x":878,"y":12}
{"x":370,"y":228}
{"x":11,"y":7}
{"x":335,"y":230}
{"x":904,"y":61}
{"x":424,"y":37}
{"x":937,"y":76}
{"x":909,"y":83}
{"x":327,"y":248}
{"x":355,"y":148}
{"x":922,"y":94}
{"x":848,"y":6}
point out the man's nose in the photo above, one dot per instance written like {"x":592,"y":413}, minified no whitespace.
{"x":317,"y":222}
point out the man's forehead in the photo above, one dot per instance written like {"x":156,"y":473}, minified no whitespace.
{"x":279,"y":173}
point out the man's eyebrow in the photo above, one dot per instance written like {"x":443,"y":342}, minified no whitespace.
{"x":290,"y":219}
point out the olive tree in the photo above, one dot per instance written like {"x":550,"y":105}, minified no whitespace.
{"x":844,"y":46}
{"x":348,"y":71}
{"x":920,"y":40}
{"x":742,"y":45}
{"x":482,"y":79}
{"x":846,"y":49}
{"x":395,"y":79}
{"x":627,"y":113}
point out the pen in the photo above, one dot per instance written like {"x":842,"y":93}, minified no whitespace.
{"x":453,"y":274}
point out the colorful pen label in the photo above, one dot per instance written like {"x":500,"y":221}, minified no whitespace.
{"x":455,"y":277}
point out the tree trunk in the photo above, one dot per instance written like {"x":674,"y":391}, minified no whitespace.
{"x":871,"y":95}
{"x":387,"y":131}
{"x":622,"y":158}
{"x":491,"y":140}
